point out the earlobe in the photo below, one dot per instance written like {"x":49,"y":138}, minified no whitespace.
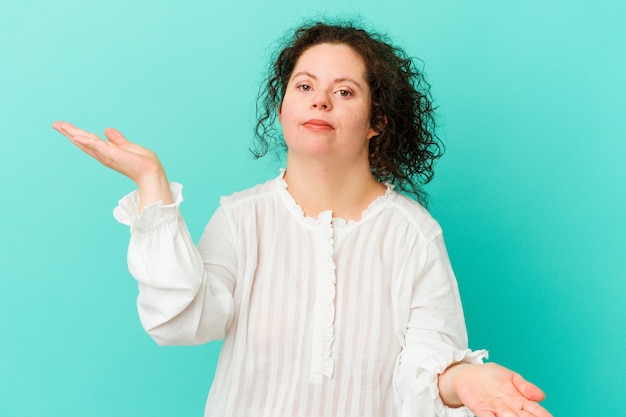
{"x":379,"y":129}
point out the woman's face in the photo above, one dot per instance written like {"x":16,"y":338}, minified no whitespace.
{"x":325,"y":112}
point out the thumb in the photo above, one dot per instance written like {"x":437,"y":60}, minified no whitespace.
{"x":527,"y":389}
{"x":115,"y":136}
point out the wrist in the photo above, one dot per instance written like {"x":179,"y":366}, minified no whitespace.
{"x":449,"y":382}
{"x":153,"y":187}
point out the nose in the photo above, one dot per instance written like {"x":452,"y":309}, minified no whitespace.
{"x":321,"y":102}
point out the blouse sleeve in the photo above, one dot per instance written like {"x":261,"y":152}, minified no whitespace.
{"x":435,"y":337}
{"x":184,"y":297}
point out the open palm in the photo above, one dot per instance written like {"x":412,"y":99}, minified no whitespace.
{"x":129,"y":159}
{"x":491,"y":390}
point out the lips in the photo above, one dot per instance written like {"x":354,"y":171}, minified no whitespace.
{"x":317,"y":125}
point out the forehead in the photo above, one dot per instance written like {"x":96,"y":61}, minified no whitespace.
{"x":335,"y":60}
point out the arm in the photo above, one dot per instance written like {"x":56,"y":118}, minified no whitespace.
{"x":434,"y":333}
{"x":185,"y":297}
{"x":439,"y":373}
{"x":185,"y":292}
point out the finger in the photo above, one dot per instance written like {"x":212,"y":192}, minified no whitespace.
{"x":527,"y":389}
{"x":93,"y":147}
{"x":70,"y":129}
{"x":90,"y":151}
{"x":115,"y":136}
{"x":535,"y":409}
{"x":86,"y":141}
{"x":71,"y":132}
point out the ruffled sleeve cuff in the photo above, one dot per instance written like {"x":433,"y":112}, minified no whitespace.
{"x":424,"y":392}
{"x":437,"y":366}
{"x":127,"y":211}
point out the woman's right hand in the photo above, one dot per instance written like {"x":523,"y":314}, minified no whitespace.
{"x":136,"y":162}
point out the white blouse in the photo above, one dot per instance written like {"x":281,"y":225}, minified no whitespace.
{"x":319,"y":316}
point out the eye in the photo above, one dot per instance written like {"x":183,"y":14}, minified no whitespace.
{"x":304,"y":87}
{"x":344,"y":93}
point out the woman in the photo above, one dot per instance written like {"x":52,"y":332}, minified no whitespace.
{"x":333,"y":293}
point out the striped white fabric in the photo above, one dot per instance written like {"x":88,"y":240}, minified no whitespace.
{"x":320,"y":317}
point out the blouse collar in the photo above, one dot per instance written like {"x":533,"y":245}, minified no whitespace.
{"x":326,"y":217}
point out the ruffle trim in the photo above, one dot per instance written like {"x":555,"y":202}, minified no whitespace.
{"x":322,"y":362}
{"x":436,"y":366}
{"x":153,"y":215}
{"x":312,"y":222}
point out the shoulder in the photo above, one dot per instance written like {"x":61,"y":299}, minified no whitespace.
{"x":414,"y":216}
{"x":252,"y":195}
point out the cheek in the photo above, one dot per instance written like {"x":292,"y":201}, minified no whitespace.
{"x":360,"y":121}
{"x":286,"y":121}
{"x":286,"y":115}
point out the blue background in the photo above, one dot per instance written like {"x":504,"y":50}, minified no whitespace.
{"x":531,"y":193}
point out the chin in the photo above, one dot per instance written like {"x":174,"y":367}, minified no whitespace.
{"x":314,"y":151}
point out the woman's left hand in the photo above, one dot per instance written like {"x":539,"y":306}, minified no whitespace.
{"x":490,"y":390}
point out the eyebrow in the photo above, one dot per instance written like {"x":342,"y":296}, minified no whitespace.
{"x":337,"y":80}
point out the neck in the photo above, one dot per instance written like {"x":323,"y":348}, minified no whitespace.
{"x":317,"y":186}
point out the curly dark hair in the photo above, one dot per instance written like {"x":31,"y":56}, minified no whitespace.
{"x":405,"y":148}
